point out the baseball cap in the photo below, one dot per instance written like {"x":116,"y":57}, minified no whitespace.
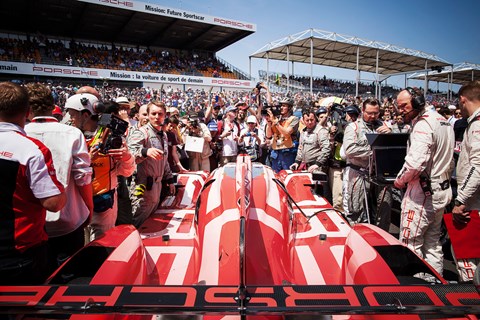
{"x":241,"y":105}
{"x":251,"y":119}
{"x":82,"y":101}
{"x":452,"y":107}
{"x":121,"y":100}
{"x":57,"y":110}
{"x":231,"y":108}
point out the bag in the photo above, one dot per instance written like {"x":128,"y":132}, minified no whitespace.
{"x":104,"y":201}
{"x":182,"y":154}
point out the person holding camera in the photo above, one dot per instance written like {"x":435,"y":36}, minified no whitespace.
{"x":149,"y":146}
{"x":282,"y":131}
{"x":229,"y":136}
{"x":426,"y":174}
{"x":314,"y":146}
{"x":108,"y":160}
{"x":250,"y":139}
{"x":358,"y":153}
{"x":198,"y":161}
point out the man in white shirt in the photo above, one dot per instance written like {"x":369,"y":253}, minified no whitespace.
{"x":72,"y":162}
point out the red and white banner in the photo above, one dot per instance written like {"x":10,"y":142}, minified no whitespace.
{"x":119,"y":75}
{"x":151,"y":8}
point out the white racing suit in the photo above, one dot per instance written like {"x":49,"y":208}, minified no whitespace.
{"x":468,"y":177}
{"x":358,"y":152}
{"x":429,"y":160}
{"x":147,"y":187}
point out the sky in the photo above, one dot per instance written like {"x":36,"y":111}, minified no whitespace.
{"x":448,"y":29}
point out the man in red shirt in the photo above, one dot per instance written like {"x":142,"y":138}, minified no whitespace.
{"x":28,"y":187}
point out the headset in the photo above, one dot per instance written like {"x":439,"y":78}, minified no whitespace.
{"x":418,"y":100}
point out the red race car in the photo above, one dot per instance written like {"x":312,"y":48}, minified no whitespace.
{"x":244,"y":242}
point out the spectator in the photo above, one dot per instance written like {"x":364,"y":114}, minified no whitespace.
{"x":196,"y":128}
{"x":314,"y":146}
{"x":426,"y":175}
{"x":72,"y":162}
{"x":250,"y":139}
{"x":357,"y":153}
{"x":29,"y":187}
{"x":467,"y":201}
{"x":229,"y":136}
{"x":107,"y":164}
{"x":149,"y":146}
{"x":283,"y":132}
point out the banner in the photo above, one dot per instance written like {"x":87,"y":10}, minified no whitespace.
{"x":175,"y":13}
{"x":118,"y":75}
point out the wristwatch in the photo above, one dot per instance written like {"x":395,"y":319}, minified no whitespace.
{"x":458,"y":203}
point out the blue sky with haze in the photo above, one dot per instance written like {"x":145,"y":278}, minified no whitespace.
{"x":448,"y":29}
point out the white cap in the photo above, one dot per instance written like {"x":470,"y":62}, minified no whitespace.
{"x":81,"y":101}
{"x":452,"y":107}
{"x":121,"y":100}
{"x":251,"y":119}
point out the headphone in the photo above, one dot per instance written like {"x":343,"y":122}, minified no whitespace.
{"x":418,"y":100}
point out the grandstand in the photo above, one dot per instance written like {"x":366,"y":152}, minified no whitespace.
{"x":129,"y":42}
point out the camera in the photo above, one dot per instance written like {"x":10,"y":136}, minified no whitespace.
{"x":194,"y":123}
{"x":275,"y":110}
{"x":113,"y":130}
{"x":259,"y":86}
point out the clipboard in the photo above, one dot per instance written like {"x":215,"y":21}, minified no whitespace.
{"x":464,"y":237}
{"x":194,"y":144}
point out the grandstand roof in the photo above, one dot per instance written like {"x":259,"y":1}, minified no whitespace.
{"x":462,"y":73}
{"x":126,"y":22}
{"x":336,"y":50}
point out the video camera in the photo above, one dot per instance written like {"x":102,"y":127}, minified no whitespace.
{"x":275,"y":110}
{"x":112,"y":131}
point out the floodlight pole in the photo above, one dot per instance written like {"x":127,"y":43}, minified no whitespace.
{"x":376,"y":77}
{"x":426,"y":79}
{"x":358,"y":71}
{"x":288,"y":69}
{"x":250,"y":67}
{"x":311,"y":66}
{"x":268,"y":69}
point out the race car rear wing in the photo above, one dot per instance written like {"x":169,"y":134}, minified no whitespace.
{"x":448,"y":300}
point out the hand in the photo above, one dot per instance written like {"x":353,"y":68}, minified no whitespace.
{"x":384,"y":129}
{"x":121,"y":154}
{"x":155,"y":153}
{"x":172,"y":189}
{"x":123,"y":114}
{"x":398,"y":185}
{"x":294,"y":167}
{"x":459,"y":214}
{"x":313,"y":168}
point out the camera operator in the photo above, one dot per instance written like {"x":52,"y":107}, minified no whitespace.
{"x":214,"y":122}
{"x":358,"y":152}
{"x":314,"y":147}
{"x":195,"y":128}
{"x":250,"y":139}
{"x":426,"y":174}
{"x":283,"y":132}
{"x":82,"y":109}
{"x":149,"y":146}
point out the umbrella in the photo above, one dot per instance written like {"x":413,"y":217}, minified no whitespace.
{"x":325,"y":102}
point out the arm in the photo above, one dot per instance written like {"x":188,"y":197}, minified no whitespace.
{"x":471,"y":183}
{"x":86,"y":192}
{"x":418,"y":155}
{"x":324,"y":141}
{"x":55,"y":203}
